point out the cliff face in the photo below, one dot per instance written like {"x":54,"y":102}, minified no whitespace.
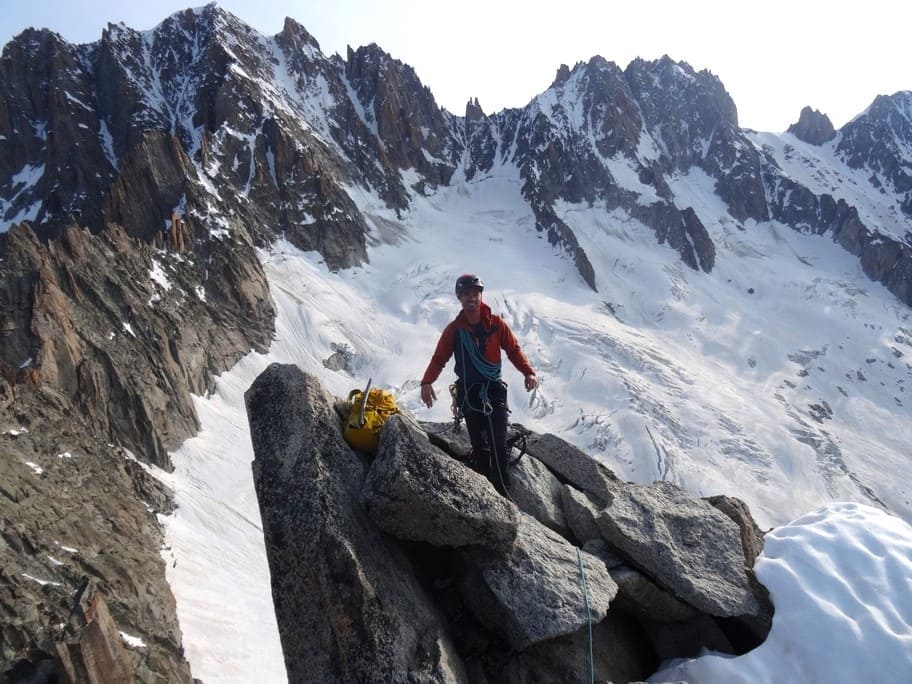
{"x":125,"y":332}
{"x":115,"y":336}
{"x":813,"y":127}
{"x":410,"y":565}
{"x":78,"y":526}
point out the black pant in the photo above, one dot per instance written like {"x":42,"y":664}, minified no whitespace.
{"x":485,"y":411}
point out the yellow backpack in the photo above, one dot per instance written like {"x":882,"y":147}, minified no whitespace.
{"x":367,"y":411}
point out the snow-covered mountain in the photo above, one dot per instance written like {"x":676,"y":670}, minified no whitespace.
{"x":721,"y":308}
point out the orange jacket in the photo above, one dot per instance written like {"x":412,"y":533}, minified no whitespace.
{"x":497,"y":336}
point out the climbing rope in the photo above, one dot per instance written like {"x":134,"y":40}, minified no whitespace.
{"x":489,"y":371}
{"x":579,"y":557}
{"x":493,"y":445}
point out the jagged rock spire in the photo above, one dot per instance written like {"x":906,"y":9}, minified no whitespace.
{"x":813,"y":127}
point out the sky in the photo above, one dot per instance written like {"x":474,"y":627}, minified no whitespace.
{"x":773,"y":57}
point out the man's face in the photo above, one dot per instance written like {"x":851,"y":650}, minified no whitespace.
{"x":471,"y":299}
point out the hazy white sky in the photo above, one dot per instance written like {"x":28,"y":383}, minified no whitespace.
{"x":773,"y":57}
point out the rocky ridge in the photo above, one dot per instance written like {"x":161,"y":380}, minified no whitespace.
{"x":409,"y":566}
{"x":283,"y":128}
{"x":112,"y":357}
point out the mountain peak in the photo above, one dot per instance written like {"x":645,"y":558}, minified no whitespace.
{"x":31,"y":41}
{"x":813,"y":127}
{"x":297,"y":35}
{"x":562,"y":76}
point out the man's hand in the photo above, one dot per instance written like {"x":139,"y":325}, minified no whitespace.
{"x":428,"y":396}
{"x":531,"y":382}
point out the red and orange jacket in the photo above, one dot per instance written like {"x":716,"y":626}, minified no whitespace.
{"x":496,"y":335}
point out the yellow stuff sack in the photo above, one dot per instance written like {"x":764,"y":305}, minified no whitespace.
{"x":362,"y":429}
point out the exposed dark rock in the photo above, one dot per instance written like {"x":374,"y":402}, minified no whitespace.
{"x":535,"y":592}
{"x":581,"y":514}
{"x":610,"y":556}
{"x":561,"y":235}
{"x":152,"y":182}
{"x":174,"y":149}
{"x":50,"y":126}
{"x":481,"y":145}
{"x":347,"y":605}
{"x":79,"y":308}
{"x":682,"y":107}
{"x":696,"y":235}
{"x":682,"y":230}
{"x":573,"y":465}
{"x":442,"y":435}
{"x":695,"y":122}
{"x":415,"y":492}
{"x":690,"y":548}
{"x":88,"y":513}
{"x":537,"y":491}
{"x":412,"y":129}
{"x":621,"y":653}
{"x":813,"y":127}
{"x":751,"y":627}
{"x":687,"y":639}
{"x":373,"y":563}
{"x":640,"y":596}
{"x":875,"y":141}
{"x":97,"y":653}
{"x":883,"y":259}
{"x":751,"y":534}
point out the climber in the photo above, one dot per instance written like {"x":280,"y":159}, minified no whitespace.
{"x":476,"y":337}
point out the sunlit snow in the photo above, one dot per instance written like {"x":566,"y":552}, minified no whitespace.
{"x":841,"y":580}
{"x":132,"y":641}
{"x":42,"y":582}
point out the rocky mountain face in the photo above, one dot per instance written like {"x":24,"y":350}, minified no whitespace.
{"x":99,"y":363}
{"x":880,"y":141}
{"x":141,"y":174}
{"x":813,"y":127}
{"x":411,"y":567}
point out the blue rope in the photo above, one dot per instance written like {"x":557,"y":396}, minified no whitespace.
{"x":489,"y":371}
{"x":579,"y":557}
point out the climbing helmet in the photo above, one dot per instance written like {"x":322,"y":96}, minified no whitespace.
{"x":466,"y":281}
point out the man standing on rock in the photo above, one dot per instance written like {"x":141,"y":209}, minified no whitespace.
{"x":476,"y":337}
